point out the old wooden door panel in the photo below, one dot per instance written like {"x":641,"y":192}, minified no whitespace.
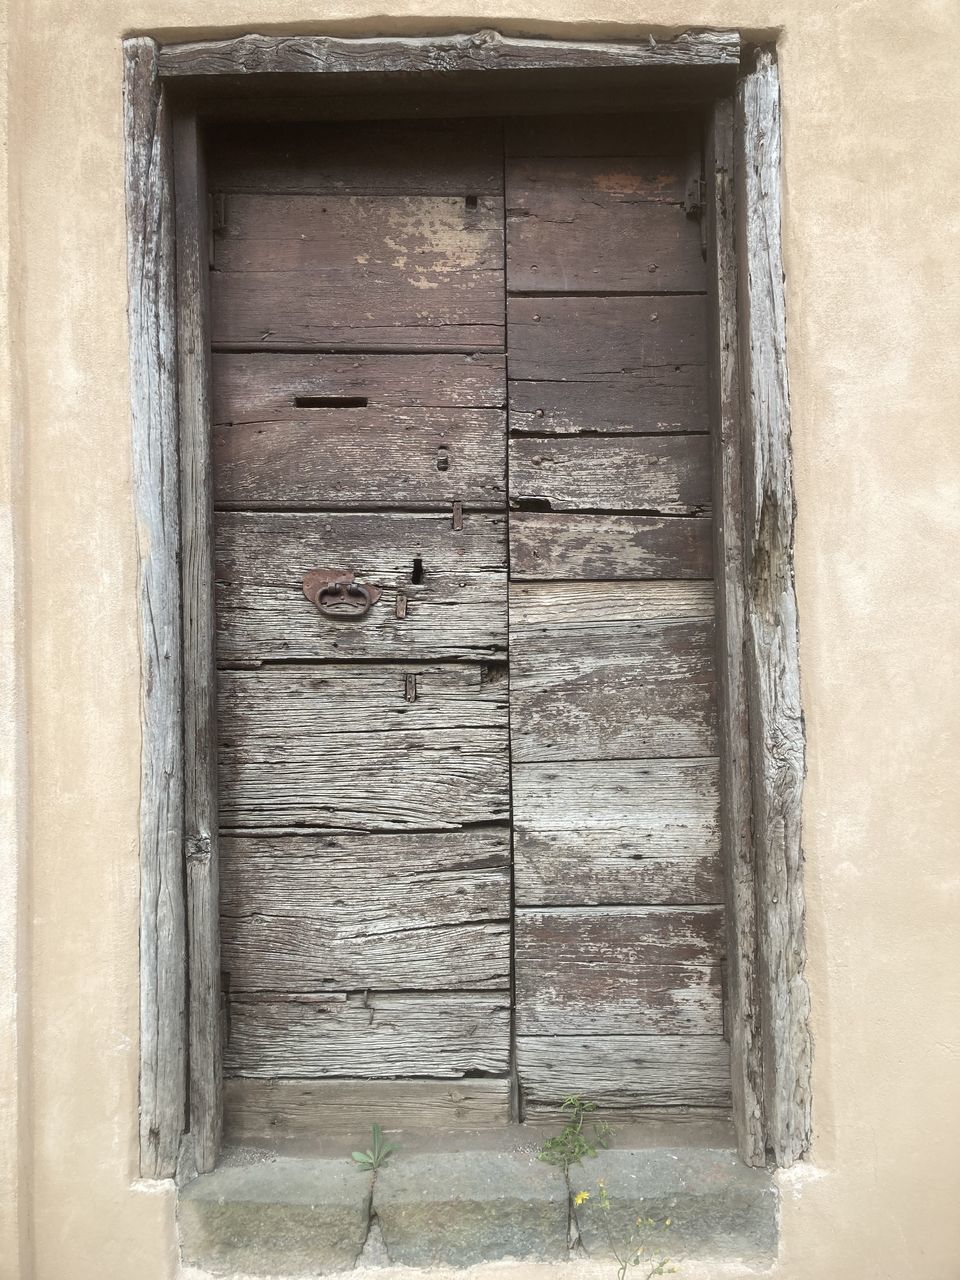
{"x":362,"y":748}
{"x":615,"y":970}
{"x":582,"y":225}
{"x":258,"y":386}
{"x":404,"y":271}
{"x":625,"y":1072}
{"x":367,"y":157}
{"x":660,"y":134}
{"x":623,"y":831}
{"x":608,"y":364}
{"x":611,"y":671}
{"x":618,"y":935}
{"x":444,"y":589}
{"x":348,"y":457}
{"x":665,"y":474}
{"x":588,"y":547}
{"x":377,"y":1036}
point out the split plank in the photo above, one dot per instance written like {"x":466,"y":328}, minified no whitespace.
{"x":369,"y":884}
{"x":371,"y":157}
{"x":625,"y":1073}
{"x":343,"y":748}
{"x":360,"y":457}
{"x":607,"y":364}
{"x":615,"y":970}
{"x":479,"y":51}
{"x":551,"y":545}
{"x":264,"y":386}
{"x":611,"y":671}
{"x":617,"y":831}
{"x":585,"y":225}
{"x":667,"y":475}
{"x":257,"y":1111}
{"x":410,"y":271}
{"x":377,"y":1036}
{"x":453,"y":604}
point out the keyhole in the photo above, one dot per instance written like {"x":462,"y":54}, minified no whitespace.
{"x":416,"y":577}
{"x":471,"y":203}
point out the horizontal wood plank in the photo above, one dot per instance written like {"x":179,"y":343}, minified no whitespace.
{"x":551,"y":545}
{"x":377,"y":1036}
{"x":444,"y":589}
{"x":264,"y":386}
{"x":617,"y":832}
{"x":361,"y":457}
{"x":646,"y":474}
{"x":625,"y":1073}
{"x":370,"y":157}
{"x":607,"y":364}
{"x":409,"y":271}
{"x":610,"y":671}
{"x":257,"y":1111}
{"x":302,"y":913}
{"x":619,"y":970}
{"x":345,"y":748}
{"x":584,"y":225}
{"x":262,"y":55}
{"x":664,"y":133}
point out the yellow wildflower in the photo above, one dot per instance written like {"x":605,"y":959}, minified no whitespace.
{"x":581,"y":1196}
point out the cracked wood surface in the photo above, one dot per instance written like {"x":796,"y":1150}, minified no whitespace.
{"x":607,"y":365}
{"x":151,"y":275}
{"x":611,"y":670}
{"x":485,"y":50}
{"x":458,"y":609}
{"x":344,"y":748}
{"x":377,"y":1036}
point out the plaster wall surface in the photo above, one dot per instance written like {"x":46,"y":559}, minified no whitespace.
{"x":871,"y":93}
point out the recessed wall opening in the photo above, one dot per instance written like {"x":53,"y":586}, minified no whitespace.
{"x":456,"y":398}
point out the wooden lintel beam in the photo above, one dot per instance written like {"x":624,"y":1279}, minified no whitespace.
{"x":479,"y":51}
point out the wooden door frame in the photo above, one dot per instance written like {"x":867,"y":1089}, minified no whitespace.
{"x":166,"y":87}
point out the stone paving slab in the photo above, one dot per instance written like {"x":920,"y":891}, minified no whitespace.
{"x":281,"y":1216}
{"x":718,"y":1208}
{"x":461,"y":1208}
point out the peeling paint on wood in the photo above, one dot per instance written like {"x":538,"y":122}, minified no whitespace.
{"x":588,"y":547}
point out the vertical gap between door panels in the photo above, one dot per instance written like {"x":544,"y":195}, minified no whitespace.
{"x":516,"y":1097}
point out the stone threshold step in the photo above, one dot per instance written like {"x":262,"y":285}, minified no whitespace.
{"x":311,"y":1215}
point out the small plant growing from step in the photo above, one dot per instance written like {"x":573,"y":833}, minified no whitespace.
{"x":578,"y":1139}
{"x":643,"y":1248}
{"x":378,"y":1154}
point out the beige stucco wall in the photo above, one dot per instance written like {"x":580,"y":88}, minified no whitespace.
{"x":872,"y":175}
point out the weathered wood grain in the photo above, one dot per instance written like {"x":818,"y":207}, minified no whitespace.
{"x":743,"y":997}
{"x":589,"y":832}
{"x":264,"y":386}
{"x":585,"y":224}
{"x":369,"y":157}
{"x":360,"y":457}
{"x":619,"y":970}
{"x":649,"y":475}
{"x":343,"y":748}
{"x":369,"y":1035}
{"x":199,"y":663}
{"x":479,"y":51}
{"x":353,"y":271}
{"x":457,"y":609}
{"x":151,"y":280}
{"x":624,"y":1073}
{"x":771,"y":636}
{"x":607,"y":364}
{"x":611,"y":671}
{"x":302,"y":913}
{"x":273,"y":1111}
{"x":606,"y":135}
{"x":552,"y":545}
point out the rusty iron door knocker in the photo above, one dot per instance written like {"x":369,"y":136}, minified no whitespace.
{"x":336,"y":595}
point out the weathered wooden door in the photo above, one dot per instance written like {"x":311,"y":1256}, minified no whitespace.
{"x":468,"y":794}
